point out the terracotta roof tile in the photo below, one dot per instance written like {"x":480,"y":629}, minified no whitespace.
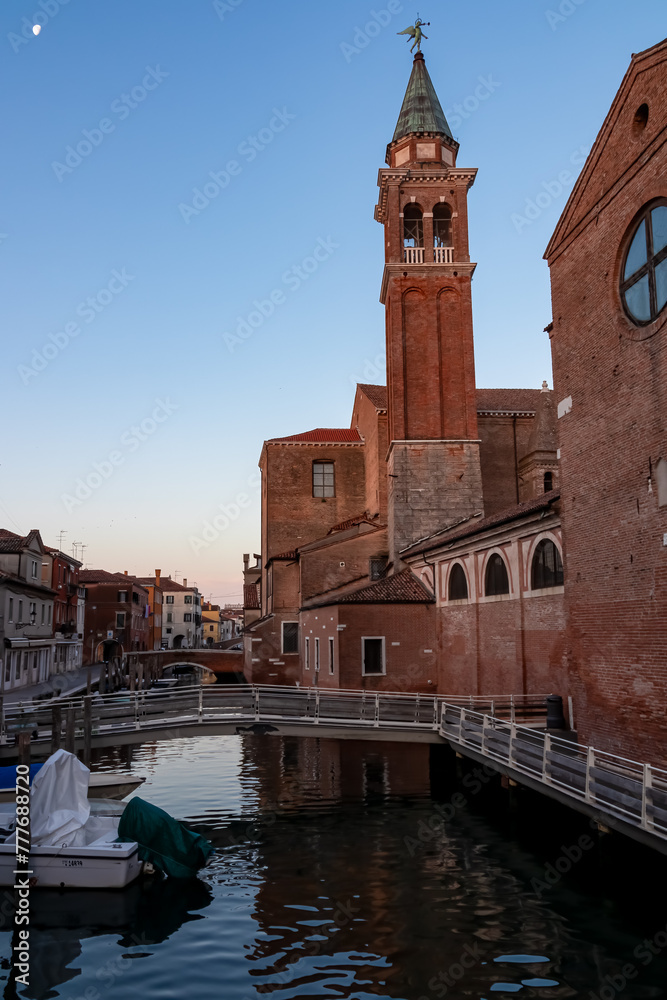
{"x":330,"y":435}
{"x":287,"y":556}
{"x":403,"y":588}
{"x":474,"y":525}
{"x":492,"y":400}
{"x":508,"y":400}
{"x":351,"y":522}
{"x":104,"y":576}
{"x":376,"y":393}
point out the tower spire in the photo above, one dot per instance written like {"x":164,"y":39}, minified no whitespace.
{"x":421,"y":110}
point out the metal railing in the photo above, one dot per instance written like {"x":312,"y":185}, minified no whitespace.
{"x":624,"y":789}
{"x":618,"y":788}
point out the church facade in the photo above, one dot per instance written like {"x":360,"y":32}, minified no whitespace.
{"x":424,"y":547}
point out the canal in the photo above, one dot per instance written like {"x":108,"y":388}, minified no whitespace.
{"x":356,"y":870}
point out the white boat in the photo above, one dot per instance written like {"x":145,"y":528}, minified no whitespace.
{"x":102,"y":785}
{"x":72,"y":845}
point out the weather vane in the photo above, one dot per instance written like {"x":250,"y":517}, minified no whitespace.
{"x":415,"y":31}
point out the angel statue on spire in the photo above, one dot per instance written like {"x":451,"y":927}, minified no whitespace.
{"x":415,"y":31}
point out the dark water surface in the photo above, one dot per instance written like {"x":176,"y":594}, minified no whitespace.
{"x":337,"y":876}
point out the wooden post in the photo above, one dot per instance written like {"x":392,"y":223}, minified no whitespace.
{"x":24,"y":748}
{"x":70,"y":721}
{"x":133,"y":675}
{"x":141,"y":676}
{"x":87,"y":728}
{"x":2,"y":720}
{"x":56,"y":727}
{"x":89,"y":681}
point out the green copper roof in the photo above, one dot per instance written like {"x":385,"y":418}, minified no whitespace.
{"x":421,"y":111}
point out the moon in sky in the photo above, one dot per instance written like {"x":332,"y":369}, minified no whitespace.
{"x":36,"y":28}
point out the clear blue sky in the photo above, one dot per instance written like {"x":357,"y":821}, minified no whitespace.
{"x":302,"y":104}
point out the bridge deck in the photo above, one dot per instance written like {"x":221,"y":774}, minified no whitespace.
{"x":506,"y":733}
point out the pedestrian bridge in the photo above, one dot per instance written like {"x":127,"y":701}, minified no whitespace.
{"x":506,"y":733}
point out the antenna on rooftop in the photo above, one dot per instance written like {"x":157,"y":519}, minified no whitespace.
{"x":61,"y":535}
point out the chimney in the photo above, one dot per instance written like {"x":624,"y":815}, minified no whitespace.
{"x":185,"y":581}
{"x":246,"y":560}
{"x":125,"y":572}
{"x":158,"y":572}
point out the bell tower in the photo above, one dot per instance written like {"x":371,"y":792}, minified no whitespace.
{"x":433,"y":459}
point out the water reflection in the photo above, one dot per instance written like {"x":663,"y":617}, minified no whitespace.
{"x":339,"y":873}
{"x":143,"y":914}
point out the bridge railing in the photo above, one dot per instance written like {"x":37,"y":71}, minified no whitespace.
{"x":626,"y":789}
{"x":159,"y":707}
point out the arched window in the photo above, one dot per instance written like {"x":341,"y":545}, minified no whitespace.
{"x":548,"y":481}
{"x":644,"y":275}
{"x":458,"y":585}
{"x":413,"y":226}
{"x":496,"y":580}
{"x":547,"y":567}
{"x":442,"y":225}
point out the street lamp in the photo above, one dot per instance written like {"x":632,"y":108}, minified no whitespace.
{"x":33,"y":616}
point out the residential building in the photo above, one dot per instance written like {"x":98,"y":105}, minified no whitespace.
{"x":26,"y":610}
{"x":117,"y":618}
{"x":155,"y":600}
{"x":62,"y":575}
{"x":182,"y":617}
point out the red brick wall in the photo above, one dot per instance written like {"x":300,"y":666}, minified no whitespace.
{"x":499,"y":456}
{"x":321,"y":568}
{"x":615,"y":432}
{"x":409,"y":667}
{"x":372,"y":426}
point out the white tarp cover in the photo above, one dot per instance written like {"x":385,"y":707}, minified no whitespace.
{"x":59,"y":805}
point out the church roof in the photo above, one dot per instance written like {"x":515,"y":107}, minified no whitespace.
{"x":475,"y":524}
{"x":376,"y":393}
{"x":421,"y":110}
{"x":403,"y":588}
{"x":488,"y":400}
{"x":329,"y":435}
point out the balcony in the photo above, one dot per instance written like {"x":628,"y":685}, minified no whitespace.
{"x":413,"y":255}
{"x":443,"y":255}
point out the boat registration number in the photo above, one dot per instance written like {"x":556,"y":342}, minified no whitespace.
{"x":73,"y":864}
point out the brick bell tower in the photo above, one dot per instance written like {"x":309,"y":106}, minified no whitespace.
{"x":433,"y":460}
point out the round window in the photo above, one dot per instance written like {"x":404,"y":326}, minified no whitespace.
{"x":644,"y":274}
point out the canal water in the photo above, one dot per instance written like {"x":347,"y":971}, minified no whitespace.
{"x":340,"y":872}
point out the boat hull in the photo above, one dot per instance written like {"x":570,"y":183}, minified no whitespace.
{"x":102,"y":785}
{"x":93,"y":867}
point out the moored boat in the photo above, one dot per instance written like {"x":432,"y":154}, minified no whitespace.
{"x":101,"y":785}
